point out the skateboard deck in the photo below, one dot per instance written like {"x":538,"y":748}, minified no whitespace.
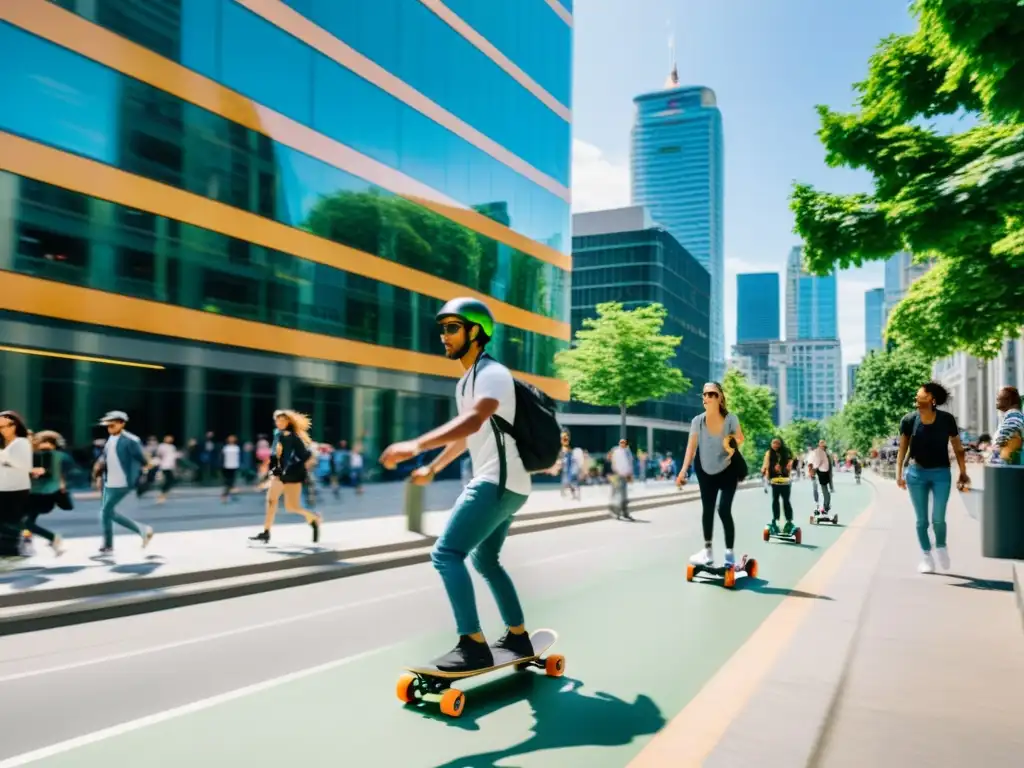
{"x":747,"y":566}
{"x":820,"y":516}
{"x":796,"y":536}
{"x":428,"y":683}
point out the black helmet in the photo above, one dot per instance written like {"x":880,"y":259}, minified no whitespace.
{"x":470,"y":311}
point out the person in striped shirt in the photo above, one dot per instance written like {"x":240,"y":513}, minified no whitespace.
{"x":1010,"y":437}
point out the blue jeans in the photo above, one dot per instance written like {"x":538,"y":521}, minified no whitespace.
{"x":919,"y":483}
{"x":111,"y":498}
{"x":478,"y":525}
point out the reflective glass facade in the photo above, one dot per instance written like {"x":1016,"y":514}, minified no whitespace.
{"x":678,"y":174}
{"x":757,"y":307}
{"x":874,"y":312}
{"x":639,"y":268}
{"x":812,"y":310}
{"x":55,"y":95}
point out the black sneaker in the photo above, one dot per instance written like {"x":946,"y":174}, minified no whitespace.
{"x":263,"y":536}
{"x":519,"y":644}
{"x":467,"y":656}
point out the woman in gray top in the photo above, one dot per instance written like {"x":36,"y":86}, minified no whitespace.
{"x":714,"y":436}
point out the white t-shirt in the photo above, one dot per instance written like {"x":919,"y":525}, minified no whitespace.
{"x":493,"y":382}
{"x":116,"y":477}
{"x":18,"y":454}
{"x":818,"y":459}
{"x":355,"y":460}
{"x":167,"y":455}
{"x":232,"y":456}
{"x":622,"y":461}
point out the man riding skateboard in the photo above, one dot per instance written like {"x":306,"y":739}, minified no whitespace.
{"x":482,"y":514}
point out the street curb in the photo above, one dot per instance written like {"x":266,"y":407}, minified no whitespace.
{"x":74,"y":606}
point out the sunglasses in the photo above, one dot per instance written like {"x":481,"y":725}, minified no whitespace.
{"x":711,"y":393}
{"x":450,"y":329}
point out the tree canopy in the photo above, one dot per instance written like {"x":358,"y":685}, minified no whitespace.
{"x":801,"y":433}
{"x":956,"y":198}
{"x":620,"y":358}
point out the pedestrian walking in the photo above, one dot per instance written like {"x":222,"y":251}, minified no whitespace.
{"x":1009,"y":439}
{"x":49,"y":488}
{"x":119,"y":467}
{"x":925,"y":437}
{"x":15,"y":481}
{"x":167,"y":455}
{"x":289,"y":453}
{"x":230,"y":461}
{"x":621,"y":460}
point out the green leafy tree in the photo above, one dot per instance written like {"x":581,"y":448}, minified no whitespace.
{"x":620,"y":358}
{"x":835,"y":430}
{"x":752,"y":405}
{"x":800,"y":433}
{"x":887,"y":383}
{"x":956,"y":199}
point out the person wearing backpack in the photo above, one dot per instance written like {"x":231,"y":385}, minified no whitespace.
{"x":510,"y":430}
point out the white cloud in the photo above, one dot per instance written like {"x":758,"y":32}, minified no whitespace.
{"x":598,"y":182}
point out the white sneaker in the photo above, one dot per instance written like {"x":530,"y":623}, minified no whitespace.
{"x":704,"y":557}
{"x":730,"y":558}
{"x":942,"y":554}
{"x":926,"y":566}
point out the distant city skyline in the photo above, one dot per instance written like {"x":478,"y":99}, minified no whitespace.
{"x":758,"y":304}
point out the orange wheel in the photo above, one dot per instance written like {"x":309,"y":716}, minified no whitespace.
{"x":404,"y":688}
{"x":453,"y":702}
{"x":813,"y":519}
{"x":689,"y":572}
{"x":554,"y":666}
{"x":767,"y":534}
{"x":752,"y":568}
{"x":797,"y":536}
{"x":730,"y":579}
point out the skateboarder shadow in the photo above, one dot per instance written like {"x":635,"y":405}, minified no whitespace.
{"x":563,"y":718}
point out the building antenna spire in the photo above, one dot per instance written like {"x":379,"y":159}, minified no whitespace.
{"x":673,"y":78}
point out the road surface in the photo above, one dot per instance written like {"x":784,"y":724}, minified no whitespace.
{"x":307,"y":676}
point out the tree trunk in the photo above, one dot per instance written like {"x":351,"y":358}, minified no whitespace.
{"x":622,"y":423}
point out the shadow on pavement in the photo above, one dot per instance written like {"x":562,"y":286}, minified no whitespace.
{"x":764,"y":588}
{"x":27,"y":578}
{"x":564,"y":717}
{"x":989,"y":585}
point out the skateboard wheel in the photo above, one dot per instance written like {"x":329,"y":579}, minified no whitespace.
{"x":730,"y":579}
{"x":797,"y":536}
{"x":767,"y":534}
{"x":404,"y":689}
{"x":554,"y":666}
{"x":836,"y":519}
{"x":813,"y":519}
{"x":752,"y":568}
{"x":453,"y":702}
{"x":689,"y":572}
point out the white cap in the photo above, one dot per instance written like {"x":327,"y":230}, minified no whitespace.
{"x":110,"y":416}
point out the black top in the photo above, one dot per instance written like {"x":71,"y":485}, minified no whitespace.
{"x":929,"y":443}
{"x":781,"y":458}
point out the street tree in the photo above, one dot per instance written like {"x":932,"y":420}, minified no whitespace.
{"x":752,"y":405}
{"x":887,"y":384}
{"x":620,"y":359}
{"x":955,"y":198}
{"x":801,"y":433}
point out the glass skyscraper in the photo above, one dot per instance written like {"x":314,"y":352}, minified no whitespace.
{"x":874,"y":317}
{"x":213,"y":208}
{"x":677,"y":171}
{"x":757,"y":307}
{"x":811,"y":302}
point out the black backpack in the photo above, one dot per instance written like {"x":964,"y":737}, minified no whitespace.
{"x":536,"y":430}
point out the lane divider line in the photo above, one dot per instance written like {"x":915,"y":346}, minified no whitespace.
{"x":693,"y":734}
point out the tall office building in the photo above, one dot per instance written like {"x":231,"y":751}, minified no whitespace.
{"x":677,"y":171}
{"x":269,"y":211}
{"x":874,"y":318}
{"x":621,"y":255}
{"x":900,"y":273}
{"x":757,"y":307}
{"x":851,"y":380}
{"x":808,"y":363}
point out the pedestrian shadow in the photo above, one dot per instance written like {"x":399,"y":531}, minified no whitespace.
{"x":151,"y":564}
{"x":35,"y":576}
{"x":563,"y":717}
{"x":763,"y":587}
{"x":987,"y":585}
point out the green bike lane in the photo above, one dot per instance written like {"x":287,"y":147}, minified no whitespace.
{"x":639,"y":642}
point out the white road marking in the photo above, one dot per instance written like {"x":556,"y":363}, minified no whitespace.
{"x":170,"y":714}
{"x":214,"y":636}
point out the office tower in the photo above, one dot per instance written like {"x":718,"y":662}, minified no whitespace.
{"x":874,"y":313}
{"x":677,"y":173}
{"x":253,"y":220}
{"x":811,"y":302}
{"x":621,"y":255}
{"x":900,"y":273}
{"x":851,"y":380}
{"x":757,"y":307}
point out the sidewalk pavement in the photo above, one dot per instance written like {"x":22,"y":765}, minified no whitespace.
{"x":197,"y":566}
{"x":883,"y":666}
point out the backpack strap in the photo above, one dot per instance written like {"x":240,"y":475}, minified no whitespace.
{"x":499,"y":437}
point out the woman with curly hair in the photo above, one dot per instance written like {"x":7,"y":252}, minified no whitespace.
{"x":288,"y":456}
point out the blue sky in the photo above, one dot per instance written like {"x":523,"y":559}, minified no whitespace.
{"x":769,"y":62}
